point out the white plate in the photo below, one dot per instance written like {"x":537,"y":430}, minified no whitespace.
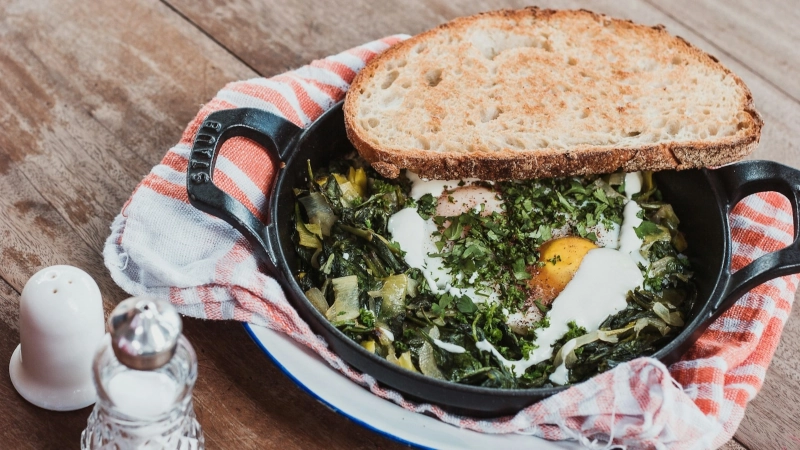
{"x":345,"y":397}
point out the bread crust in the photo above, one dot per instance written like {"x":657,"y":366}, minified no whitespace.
{"x":548,"y":162}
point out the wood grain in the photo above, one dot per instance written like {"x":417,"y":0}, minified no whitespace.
{"x":73,"y":149}
{"x":301,"y":31}
{"x":93,"y":93}
{"x":733,"y":445}
{"x":34,"y":236}
{"x":763,"y":35}
{"x":275,"y":35}
{"x":22,"y":425}
{"x":305,"y":28}
{"x":773,"y":418}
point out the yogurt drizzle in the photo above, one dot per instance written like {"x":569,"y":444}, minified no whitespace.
{"x":597,"y":290}
{"x":414,"y":234}
{"x":448,"y":347}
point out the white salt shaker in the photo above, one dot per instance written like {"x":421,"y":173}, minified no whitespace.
{"x":144,"y":372}
{"x":60,"y":326}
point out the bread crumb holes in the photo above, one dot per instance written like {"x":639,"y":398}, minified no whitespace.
{"x":433,"y":77}
{"x":390,"y":77}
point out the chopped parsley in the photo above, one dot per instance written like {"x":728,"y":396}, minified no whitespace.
{"x":345,"y":211}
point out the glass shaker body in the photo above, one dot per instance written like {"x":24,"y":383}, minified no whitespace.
{"x":144,"y":409}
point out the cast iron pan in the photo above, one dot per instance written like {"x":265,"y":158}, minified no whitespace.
{"x":701,"y":198}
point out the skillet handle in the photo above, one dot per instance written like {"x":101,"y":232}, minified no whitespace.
{"x":739,"y":181}
{"x":276,"y":134}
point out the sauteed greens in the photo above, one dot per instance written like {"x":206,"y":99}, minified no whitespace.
{"x":355,"y":275}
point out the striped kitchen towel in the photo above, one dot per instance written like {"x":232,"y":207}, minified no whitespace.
{"x":161,"y":246}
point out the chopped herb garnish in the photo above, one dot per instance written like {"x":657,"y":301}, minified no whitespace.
{"x":555,"y":259}
{"x":645,"y":229}
{"x":348,"y":258}
{"x":426,"y":206}
{"x":466,"y":305}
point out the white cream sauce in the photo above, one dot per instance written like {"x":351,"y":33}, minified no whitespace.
{"x":629,"y":243}
{"x":561,"y":374}
{"x":523,"y":322}
{"x":597,"y":291}
{"x":448,"y":347}
{"x":413,"y":233}
{"x":633,"y":183}
{"x":487,"y":346}
{"x":623,"y":235}
{"x":606,"y":237}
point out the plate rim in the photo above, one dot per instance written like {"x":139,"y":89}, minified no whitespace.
{"x":249,"y":329}
{"x":504,"y":440}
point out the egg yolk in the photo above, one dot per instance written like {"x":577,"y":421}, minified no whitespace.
{"x":561,"y":258}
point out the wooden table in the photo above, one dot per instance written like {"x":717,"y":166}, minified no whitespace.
{"x":92,"y":94}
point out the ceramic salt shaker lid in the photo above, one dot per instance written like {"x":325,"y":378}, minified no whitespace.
{"x":144,"y":332}
{"x":60,"y":326}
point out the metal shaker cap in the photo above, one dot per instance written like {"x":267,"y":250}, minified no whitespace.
{"x":144,"y":332}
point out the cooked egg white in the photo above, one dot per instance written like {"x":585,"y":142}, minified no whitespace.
{"x":597,"y":291}
{"x":469,"y":197}
{"x":420,"y":187}
{"x":585,"y":281}
{"x":414,"y":234}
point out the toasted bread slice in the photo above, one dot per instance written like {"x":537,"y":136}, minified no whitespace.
{"x":540,"y":93}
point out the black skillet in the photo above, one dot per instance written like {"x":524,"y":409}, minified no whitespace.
{"x":701,"y":198}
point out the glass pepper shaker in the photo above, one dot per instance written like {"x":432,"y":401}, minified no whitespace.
{"x":144,"y":373}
